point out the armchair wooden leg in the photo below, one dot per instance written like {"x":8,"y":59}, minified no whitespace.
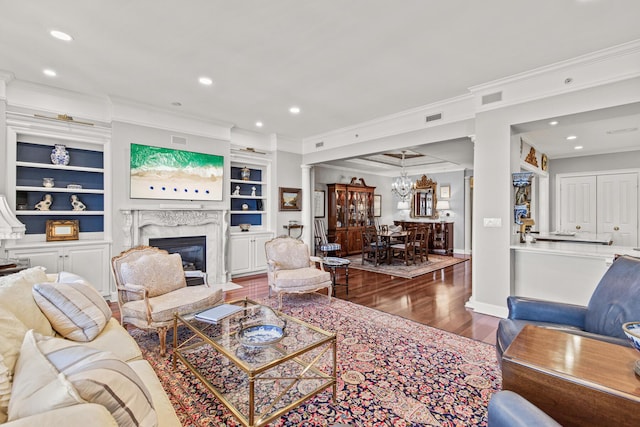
{"x":162,"y":333}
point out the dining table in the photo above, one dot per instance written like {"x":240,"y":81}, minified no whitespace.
{"x":387,"y":236}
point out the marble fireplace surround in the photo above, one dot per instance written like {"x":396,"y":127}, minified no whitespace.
{"x":140,"y":224}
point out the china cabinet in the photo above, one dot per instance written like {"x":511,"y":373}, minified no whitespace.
{"x":350,"y":209}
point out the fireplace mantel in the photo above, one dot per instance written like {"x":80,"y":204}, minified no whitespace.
{"x":140,"y":224}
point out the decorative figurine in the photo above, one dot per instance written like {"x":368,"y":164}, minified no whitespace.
{"x":237,"y":191}
{"x":253,"y":191}
{"x":76,"y":204}
{"x":245,"y":173}
{"x":45,"y":203}
{"x":48,"y":182}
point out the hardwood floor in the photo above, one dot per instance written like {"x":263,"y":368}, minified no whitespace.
{"x":436,"y":299}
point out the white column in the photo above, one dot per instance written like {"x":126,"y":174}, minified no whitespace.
{"x":467,"y":215}
{"x":306,"y":213}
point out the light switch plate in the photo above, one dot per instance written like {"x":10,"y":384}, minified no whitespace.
{"x":493,"y":222}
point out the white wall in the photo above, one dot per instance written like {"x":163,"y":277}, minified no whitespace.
{"x":493,"y":164}
{"x":288,"y":175}
{"x":123,"y":135}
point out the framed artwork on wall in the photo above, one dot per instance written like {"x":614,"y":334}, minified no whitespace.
{"x":59,"y":230}
{"x":377,"y":201}
{"x":445,"y":191}
{"x":318,"y":203}
{"x":290,"y":199}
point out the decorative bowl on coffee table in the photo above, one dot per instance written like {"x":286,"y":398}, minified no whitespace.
{"x":632,"y":331}
{"x":261,"y":329}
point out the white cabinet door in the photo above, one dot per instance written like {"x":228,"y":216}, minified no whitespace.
{"x":618,"y":207}
{"x":240,"y":254}
{"x":578,"y":195}
{"x":247,"y":254}
{"x":88,"y":261}
{"x":260,"y":254}
{"x":49,"y":258}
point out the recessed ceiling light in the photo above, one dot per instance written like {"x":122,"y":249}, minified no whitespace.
{"x":259,"y":124}
{"x":49,"y":72}
{"x":571,"y":137}
{"x":205,"y":81}
{"x":553,"y":122}
{"x":61,"y":35}
{"x":578,"y":147}
{"x":294,"y":110}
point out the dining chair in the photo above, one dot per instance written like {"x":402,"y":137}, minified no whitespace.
{"x":421,"y":243}
{"x":322,"y":241}
{"x":406,"y":250}
{"x":374,"y":249}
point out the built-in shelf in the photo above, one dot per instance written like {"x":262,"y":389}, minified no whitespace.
{"x":59,"y":167}
{"x":59,"y":190}
{"x":57,"y":213}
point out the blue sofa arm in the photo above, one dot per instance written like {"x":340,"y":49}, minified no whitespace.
{"x":546,"y":311}
{"x":508,"y":409}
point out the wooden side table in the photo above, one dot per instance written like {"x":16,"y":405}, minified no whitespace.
{"x":577,"y":381}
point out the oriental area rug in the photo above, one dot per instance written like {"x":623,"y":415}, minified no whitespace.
{"x":391,"y":372}
{"x":398,"y":269}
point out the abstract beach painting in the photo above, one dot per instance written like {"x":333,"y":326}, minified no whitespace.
{"x":167,"y":173}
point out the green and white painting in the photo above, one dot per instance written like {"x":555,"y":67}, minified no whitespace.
{"x":167,"y":173}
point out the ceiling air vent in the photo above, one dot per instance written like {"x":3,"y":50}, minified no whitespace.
{"x":319,"y":144}
{"x":178,"y":140}
{"x":433,"y":117}
{"x":492,"y":97}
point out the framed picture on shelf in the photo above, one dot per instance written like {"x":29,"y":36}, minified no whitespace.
{"x":58,"y":230}
{"x":445,"y":191}
{"x":377,"y":200}
{"x":290,"y":199}
{"x":318,"y":204}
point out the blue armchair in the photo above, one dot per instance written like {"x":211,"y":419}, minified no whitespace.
{"x":616,"y":300}
{"x":508,"y":409}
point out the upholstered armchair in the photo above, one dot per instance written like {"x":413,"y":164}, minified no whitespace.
{"x":152,"y":287}
{"x":509,"y":409}
{"x":290,"y":269}
{"x":615,"y":300}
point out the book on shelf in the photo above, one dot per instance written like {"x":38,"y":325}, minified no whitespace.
{"x":217,"y":313}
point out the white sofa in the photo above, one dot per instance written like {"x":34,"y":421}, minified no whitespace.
{"x":36,"y":390}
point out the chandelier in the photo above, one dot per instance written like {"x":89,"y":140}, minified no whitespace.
{"x":402,"y":186}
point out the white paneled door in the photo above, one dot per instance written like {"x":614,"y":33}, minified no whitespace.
{"x":578,"y":204}
{"x":603,"y":203}
{"x":618,"y":207}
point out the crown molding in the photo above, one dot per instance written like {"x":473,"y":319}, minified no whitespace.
{"x":625,"y":49}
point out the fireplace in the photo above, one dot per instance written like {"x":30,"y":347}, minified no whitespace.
{"x":143,"y":226}
{"x":192,"y":249}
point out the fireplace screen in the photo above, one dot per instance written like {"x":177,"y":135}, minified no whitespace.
{"x":192,"y":249}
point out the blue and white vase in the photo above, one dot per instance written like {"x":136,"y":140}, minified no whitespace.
{"x":59,"y":155}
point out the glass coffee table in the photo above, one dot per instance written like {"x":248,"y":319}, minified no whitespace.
{"x":258,"y":362}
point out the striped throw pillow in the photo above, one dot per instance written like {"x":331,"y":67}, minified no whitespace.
{"x":76,"y":374}
{"x":75,"y":310}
